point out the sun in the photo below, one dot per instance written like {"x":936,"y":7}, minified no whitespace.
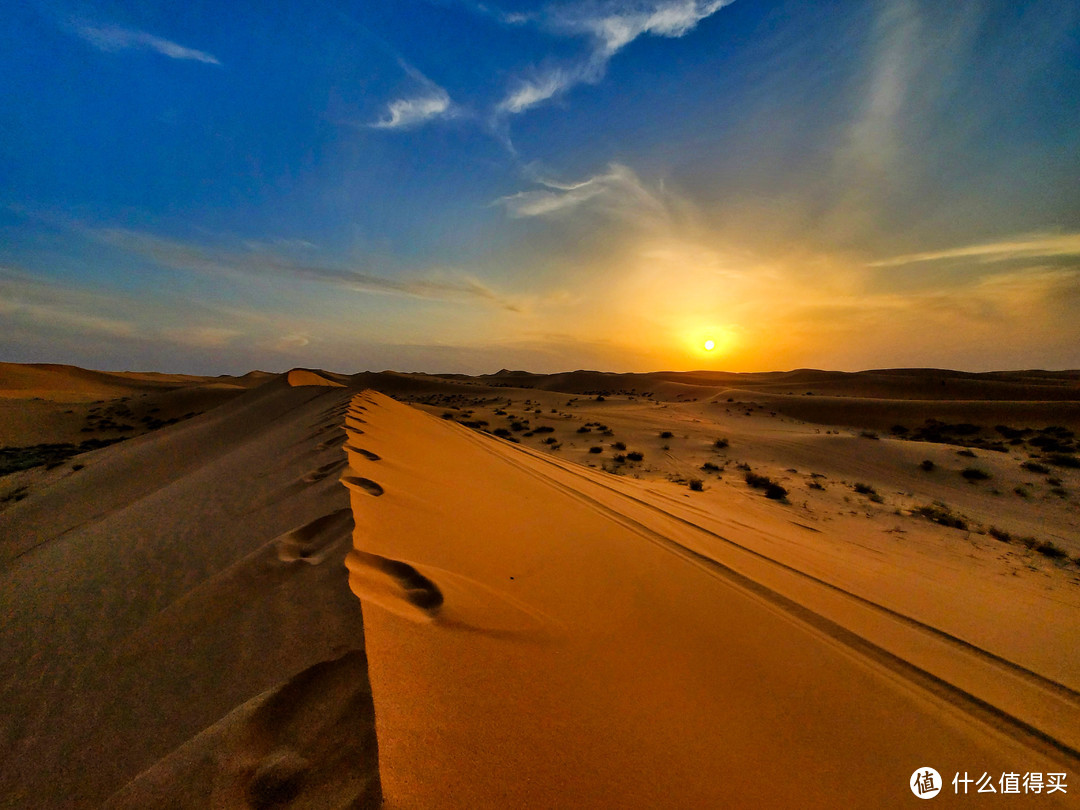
{"x":710,"y":345}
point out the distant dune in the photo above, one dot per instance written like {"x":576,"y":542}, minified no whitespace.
{"x":572,"y":590}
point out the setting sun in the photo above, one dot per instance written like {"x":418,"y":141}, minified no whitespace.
{"x":710,"y":345}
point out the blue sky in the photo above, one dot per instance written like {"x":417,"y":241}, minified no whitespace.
{"x":454,"y":185}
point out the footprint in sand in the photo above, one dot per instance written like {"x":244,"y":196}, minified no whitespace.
{"x":393,"y":584}
{"x":313,"y":542}
{"x":320,"y":473}
{"x":363,"y":484}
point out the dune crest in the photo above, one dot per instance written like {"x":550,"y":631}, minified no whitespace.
{"x":302,"y":376}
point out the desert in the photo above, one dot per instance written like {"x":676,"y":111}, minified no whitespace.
{"x":407,"y":590}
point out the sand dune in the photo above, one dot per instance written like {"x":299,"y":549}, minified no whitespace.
{"x":594,"y":610}
{"x":540,"y":635}
{"x":151,"y":595}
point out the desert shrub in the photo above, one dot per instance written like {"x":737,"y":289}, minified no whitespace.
{"x":1063,"y":460}
{"x":596,"y":449}
{"x":974,"y":474}
{"x":550,"y":440}
{"x":927,"y":465}
{"x":502,"y":432}
{"x":941,"y":514}
{"x":1051,"y":444}
{"x":775,"y":492}
{"x":1023,"y":493}
{"x":815,"y":484}
{"x":1035,"y":467}
{"x":517,"y":427}
{"x":898,"y":430}
{"x":584,"y":429}
{"x":619,"y":459}
{"x":757,"y":481}
{"x":864,"y":489}
{"x":666,"y":434}
{"x":772,"y":489}
{"x":619,"y":445}
{"x":966,"y":453}
{"x":868,"y":434}
{"x":634,"y":455}
{"x":1059,"y":491}
{"x":544,"y":429}
{"x":696,"y":484}
{"x":1009,"y":432}
{"x":721,"y":444}
{"x":447,"y":415}
{"x":999,"y":534}
{"x":708,"y":466}
{"x":1048,"y":549}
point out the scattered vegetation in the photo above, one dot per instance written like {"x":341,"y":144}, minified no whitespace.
{"x":708,"y":466}
{"x":696,"y":484}
{"x":1035,"y":467}
{"x":869,"y":434}
{"x":634,"y":455}
{"x":596,"y":449}
{"x":967,"y":453}
{"x":927,"y":465}
{"x":13,"y":459}
{"x":974,"y":474}
{"x":721,"y":444}
{"x":1062,"y":460}
{"x":666,"y":434}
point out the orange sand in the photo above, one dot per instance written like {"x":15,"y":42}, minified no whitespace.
{"x":538,"y":637}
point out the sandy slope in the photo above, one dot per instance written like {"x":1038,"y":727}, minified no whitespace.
{"x":152,"y":594}
{"x":544,"y":635}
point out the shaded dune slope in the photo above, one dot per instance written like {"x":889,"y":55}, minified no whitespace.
{"x":179,"y":609}
{"x":541,"y":635}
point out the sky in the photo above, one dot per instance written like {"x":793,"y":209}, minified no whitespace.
{"x":465,"y":185}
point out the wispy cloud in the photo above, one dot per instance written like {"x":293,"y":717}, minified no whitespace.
{"x":183,"y":256}
{"x":113,"y":38}
{"x":430,"y":102}
{"x":618,"y":192}
{"x":1021,"y":247}
{"x":617,"y":24}
{"x":610,"y":27}
{"x":530,"y":92}
{"x":410,"y":112}
{"x":23,"y":298}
